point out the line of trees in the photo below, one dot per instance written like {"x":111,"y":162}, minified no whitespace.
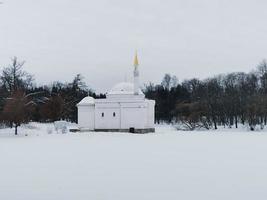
{"x":224,"y":100}
{"x":22,"y":101}
{"x":227,"y":99}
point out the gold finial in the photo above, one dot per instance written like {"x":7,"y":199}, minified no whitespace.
{"x":136,"y":63}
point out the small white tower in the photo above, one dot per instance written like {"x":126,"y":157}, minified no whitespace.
{"x":136,"y":75}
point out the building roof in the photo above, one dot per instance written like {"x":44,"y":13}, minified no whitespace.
{"x":87,"y":101}
{"x":123,"y":88}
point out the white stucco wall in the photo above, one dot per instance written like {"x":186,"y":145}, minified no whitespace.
{"x":151,"y":114}
{"x":108,"y":121}
{"x":86,"y":117}
{"x":130,"y":111}
{"x":127,"y":114}
{"x":133,"y":115}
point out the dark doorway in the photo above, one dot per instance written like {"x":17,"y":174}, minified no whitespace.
{"x":132,"y":130}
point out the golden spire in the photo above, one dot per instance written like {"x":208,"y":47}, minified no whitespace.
{"x":136,"y":63}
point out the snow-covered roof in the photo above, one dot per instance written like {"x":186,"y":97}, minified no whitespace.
{"x":123,"y":88}
{"x":86,"y":101}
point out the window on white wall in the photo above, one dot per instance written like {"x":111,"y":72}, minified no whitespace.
{"x":103,"y":114}
{"x":114,"y":114}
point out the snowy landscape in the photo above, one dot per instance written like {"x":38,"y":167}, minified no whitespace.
{"x":42,"y":163}
{"x":133,"y":100}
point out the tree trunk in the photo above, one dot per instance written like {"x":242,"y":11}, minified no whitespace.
{"x":236,"y":122}
{"x":215,"y":124}
{"x":231,"y":121}
{"x":16,"y":129}
{"x":242,"y":120}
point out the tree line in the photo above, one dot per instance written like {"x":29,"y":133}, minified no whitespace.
{"x":22,"y":101}
{"x":223,"y":100}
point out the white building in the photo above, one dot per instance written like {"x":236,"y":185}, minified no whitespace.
{"x":125,"y":109}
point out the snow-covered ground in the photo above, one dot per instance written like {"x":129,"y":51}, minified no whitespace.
{"x":168,"y":164}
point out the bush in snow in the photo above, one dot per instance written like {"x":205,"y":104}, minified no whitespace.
{"x":64,"y":129}
{"x":61,"y":126}
{"x":49,"y":130}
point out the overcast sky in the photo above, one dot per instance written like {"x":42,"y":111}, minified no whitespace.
{"x":187,"y":38}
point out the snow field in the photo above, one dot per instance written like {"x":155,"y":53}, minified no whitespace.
{"x":168,"y":164}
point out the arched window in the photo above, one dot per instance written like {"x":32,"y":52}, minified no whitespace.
{"x":114,"y":114}
{"x":103,"y":114}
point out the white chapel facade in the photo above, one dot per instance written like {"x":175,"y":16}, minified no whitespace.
{"x":125,"y":109}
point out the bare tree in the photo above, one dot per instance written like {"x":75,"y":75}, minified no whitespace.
{"x":15,"y":78}
{"x":17,"y":109}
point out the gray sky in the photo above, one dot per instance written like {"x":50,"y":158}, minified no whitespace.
{"x":187,"y":38}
